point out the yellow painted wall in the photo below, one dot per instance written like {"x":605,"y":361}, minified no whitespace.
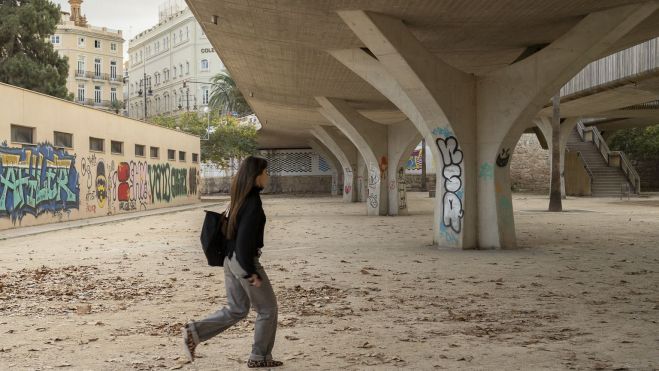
{"x":53,"y":185}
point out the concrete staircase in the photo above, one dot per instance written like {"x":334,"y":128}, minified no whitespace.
{"x":607,"y":181}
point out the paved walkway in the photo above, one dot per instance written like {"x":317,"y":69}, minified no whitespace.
{"x":45,"y":228}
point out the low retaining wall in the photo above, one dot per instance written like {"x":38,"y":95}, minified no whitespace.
{"x":279,"y":184}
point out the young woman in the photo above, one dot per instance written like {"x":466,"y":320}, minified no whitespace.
{"x":244,"y":278}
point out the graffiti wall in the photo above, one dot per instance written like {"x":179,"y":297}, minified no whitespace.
{"x":42,"y":184}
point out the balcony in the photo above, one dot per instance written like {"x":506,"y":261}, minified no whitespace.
{"x":103,"y":104}
{"x":86,"y":75}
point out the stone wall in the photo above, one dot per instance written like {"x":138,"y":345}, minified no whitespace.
{"x":649,"y":173}
{"x":529,"y":167}
{"x":281,"y":184}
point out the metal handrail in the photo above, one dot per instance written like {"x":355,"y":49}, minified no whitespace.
{"x":630,"y":172}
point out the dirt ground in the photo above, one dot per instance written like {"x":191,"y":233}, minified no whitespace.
{"x":355,"y":292}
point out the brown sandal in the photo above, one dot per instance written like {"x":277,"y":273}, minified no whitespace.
{"x":264,"y":363}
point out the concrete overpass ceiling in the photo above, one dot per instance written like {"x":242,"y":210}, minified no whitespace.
{"x":276,"y":49}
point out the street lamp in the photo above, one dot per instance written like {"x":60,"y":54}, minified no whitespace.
{"x":145,"y":89}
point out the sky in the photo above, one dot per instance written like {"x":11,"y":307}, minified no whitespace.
{"x":129,"y":16}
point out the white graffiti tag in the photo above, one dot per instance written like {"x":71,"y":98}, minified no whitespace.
{"x":452,"y":174}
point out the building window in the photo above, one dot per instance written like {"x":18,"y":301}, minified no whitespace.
{"x":174,"y":72}
{"x":171,"y":154}
{"x":174,"y":37}
{"x":116,"y":147}
{"x":113,"y":47}
{"x":204,"y":64}
{"x":64,"y":140}
{"x":81,"y":42}
{"x":81,"y":92}
{"x":181,"y":156}
{"x":113,"y":94}
{"x":55,"y":39}
{"x":81,"y":65}
{"x":187,"y":32}
{"x":195,"y":157}
{"x":139,"y":150}
{"x":187,"y":68}
{"x":180,"y":35}
{"x":97,"y":44}
{"x":22,"y":134}
{"x":164,"y":43}
{"x":113,"y":70}
{"x":97,"y":67}
{"x":205,"y":95}
{"x":180,"y":67}
{"x":96,"y":144}
{"x":97,"y":94}
{"x":154,"y":152}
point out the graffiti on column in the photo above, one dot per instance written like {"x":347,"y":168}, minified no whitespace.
{"x":503,"y":157}
{"x":347,"y":175}
{"x":452,"y":173}
{"x":36,"y":180}
{"x":402,"y":191}
{"x":373,"y":186}
{"x":486,"y":171}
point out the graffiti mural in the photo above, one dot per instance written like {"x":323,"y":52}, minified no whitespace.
{"x":486,"y":171}
{"x":415,"y":162}
{"x":373,"y":185}
{"x":193,"y":180}
{"x":503,"y":157}
{"x":130,"y":185}
{"x":101,"y":184}
{"x":452,"y":173}
{"x":37,"y":179}
{"x":167,"y":182}
{"x":402,"y":189}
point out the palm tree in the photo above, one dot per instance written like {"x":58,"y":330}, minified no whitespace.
{"x":225,"y":96}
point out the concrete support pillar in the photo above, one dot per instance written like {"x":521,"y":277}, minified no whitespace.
{"x":362,"y":175}
{"x":403,"y":138}
{"x":567,"y":126}
{"x":347,"y":155}
{"x":434,"y":96}
{"x":337,"y":169}
{"x":371,"y":140}
{"x":475,"y":122}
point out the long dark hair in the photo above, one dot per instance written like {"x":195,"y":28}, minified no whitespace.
{"x":242,"y":184}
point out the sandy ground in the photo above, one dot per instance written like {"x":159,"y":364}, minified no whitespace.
{"x":355,"y":292}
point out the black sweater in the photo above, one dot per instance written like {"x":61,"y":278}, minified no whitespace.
{"x":250,"y":224}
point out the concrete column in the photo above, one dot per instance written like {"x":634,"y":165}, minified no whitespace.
{"x":337,"y":169}
{"x":347,"y":155}
{"x":403,"y":138}
{"x":362,"y":175}
{"x":544,"y":124}
{"x":435,"y":97}
{"x":371,"y":140}
{"x":475,"y":122}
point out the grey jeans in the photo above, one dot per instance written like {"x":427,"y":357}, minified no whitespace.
{"x":239,"y":295}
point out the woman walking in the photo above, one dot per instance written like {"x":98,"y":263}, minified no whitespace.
{"x":244,"y":278}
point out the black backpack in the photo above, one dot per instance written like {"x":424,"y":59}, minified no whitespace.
{"x":213,"y":237}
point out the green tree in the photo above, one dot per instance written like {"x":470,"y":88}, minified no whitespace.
{"x":225,"y":96}
{"x":27,"y":59}
{"x":638,"y":143}
{"x":227,"y":139}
